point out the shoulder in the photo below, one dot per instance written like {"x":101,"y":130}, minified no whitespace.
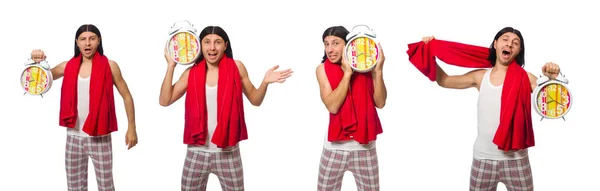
{"x":532,"y":77}
{"x":241,"y":67}
{"x":239,"y":64}
{"x":320,"y":68}
{"x":113,"y":64}
{"x":477,"y":74}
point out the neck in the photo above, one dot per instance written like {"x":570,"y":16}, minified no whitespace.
{"x":212,"y":66}
{"x":86,"y":60}
{"x":499,"y":67}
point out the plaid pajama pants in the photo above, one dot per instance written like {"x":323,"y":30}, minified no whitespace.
{"x":226,"y":165}
{"x":78,"y":149}
{"x":515,"y":174}
{"x":362,"y":163}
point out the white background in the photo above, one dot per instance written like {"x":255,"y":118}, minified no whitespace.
{"x":428,"y":131}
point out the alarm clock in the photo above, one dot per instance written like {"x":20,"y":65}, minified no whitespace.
{"x":36,"y":78}
{"x":183,"y":44}
{"x":362,"y":50}
{"x":552,"y":98}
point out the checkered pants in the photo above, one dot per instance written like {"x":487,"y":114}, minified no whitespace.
{"x":226,"y":165}
{"x":362,"y":163}
{"x":78,"y":149}
{"x":515,"y":174}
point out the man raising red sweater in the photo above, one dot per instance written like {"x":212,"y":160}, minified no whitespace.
{"x":504,"y":108}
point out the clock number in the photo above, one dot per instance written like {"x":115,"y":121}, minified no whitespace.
{"x":190,"y":55}
{"x":543,"y":94}
{"x":565,"y":97}
{"x":551,"y":112}
{"x":552,"y":87}
{"x":559,"y":109}
{"x":360,"y":41}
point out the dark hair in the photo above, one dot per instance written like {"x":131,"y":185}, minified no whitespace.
{"x":88,"y":28}
{"x":218,"y":31}
{"x":338,"y":31}
{"x":520,"y":57}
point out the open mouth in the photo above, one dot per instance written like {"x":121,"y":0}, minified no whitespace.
{"x":87,"y":50}
{"x":506,"y":54}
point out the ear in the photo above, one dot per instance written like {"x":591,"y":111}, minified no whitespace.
{"x":495,"y":46}
{"x":226,"y":45}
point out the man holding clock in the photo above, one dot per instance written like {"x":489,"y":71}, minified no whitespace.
{"x":504,"y":105}
{"x":87,"y":109}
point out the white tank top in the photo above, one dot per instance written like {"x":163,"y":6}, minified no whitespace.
{"x":488,"y":119}
{"x":83,"y":104}
{"x":211,"y":108}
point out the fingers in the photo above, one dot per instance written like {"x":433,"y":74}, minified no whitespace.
{"x":131,"y":144}
{"x":380,"y":52}
{"x":275,"y":67}
{"x":551,"y":68}
{"x":427,"y":39}
{"x":284,"y":76}
{"x":38,"y":55}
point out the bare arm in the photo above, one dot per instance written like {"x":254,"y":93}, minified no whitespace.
{"x":332,"y":99}
{"x":532,"y":80}
{"x":380,"y":94}
{"x":467,"y":80}
{"x":255,"y":96}
{"x":58,"y":71}
{"x":550,"y":70}
{"x":169,"y":92}
{"x":119,"y":82}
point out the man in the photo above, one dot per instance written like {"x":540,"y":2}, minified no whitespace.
{"x":87,"y":109}
{"x":504,"y":107}
{"x":214,"y":112}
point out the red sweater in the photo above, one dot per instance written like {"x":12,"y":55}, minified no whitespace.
{"x":357,"y":116}
{"x":231,"y":125}
{"x":101,"y":119}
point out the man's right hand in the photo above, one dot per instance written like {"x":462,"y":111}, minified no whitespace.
{"x":170,"y":61}
{"x":346,"y":65}
{"x":428,"y":39}
{"x":38,"y":55}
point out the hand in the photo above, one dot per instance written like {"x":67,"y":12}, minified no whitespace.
{"x":170,"y":61}
{"x":428,"y":39}
{"x":551,"y":70}
{"x":131,"y":138}
{"x":38,"y":55}
{"x":379,"y":65}
{"x":346,"y":65}
{"x":277,"y":76}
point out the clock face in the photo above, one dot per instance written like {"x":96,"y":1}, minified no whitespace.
{"x":553,"y":100}
{"x":362,"y":53}
{"x":35,"y":80}
{"x":184,"y":47}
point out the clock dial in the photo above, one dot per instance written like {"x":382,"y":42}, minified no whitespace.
{"x":35,"y":80}
{"x":184,"y":47}
{"x":362,"y":52}
{"x":553,"y":100}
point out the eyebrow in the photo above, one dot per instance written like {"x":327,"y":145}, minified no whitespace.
{"x":507,"y":36}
